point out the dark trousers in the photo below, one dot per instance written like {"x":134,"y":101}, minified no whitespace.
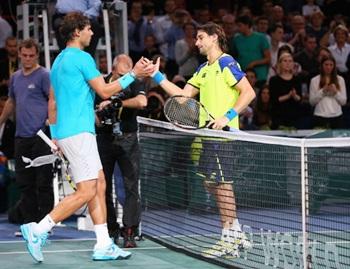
{"x":329,"y":123}
{"x":126,"y":152}
{"x":34,"y":183}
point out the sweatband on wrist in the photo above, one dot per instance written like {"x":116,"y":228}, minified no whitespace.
{"x":126,"y":80}
{"x":53,"y":130}
{"x":231,"y":114}
{"x":158,"y":77}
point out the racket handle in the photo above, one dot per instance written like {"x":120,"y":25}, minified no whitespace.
{"x":47,"y":140}
{"x":225,"y":128}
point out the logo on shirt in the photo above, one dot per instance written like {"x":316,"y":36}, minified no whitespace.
{"x":204,"y":74}
{"x":31,"y":86}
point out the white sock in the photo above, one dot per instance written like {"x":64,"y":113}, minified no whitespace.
{"x":44,"y":226}
{"x":236,"y":226}
{"x":102,"y":235}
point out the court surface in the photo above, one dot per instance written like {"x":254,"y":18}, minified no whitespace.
{"x":69,"y":248}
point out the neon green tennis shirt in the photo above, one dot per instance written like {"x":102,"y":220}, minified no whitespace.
{"x":216,"y":84}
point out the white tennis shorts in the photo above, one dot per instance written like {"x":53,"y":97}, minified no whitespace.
{"x":82,"y":154}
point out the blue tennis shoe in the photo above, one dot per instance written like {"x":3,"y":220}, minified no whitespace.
{"x":111,"y":252}
{"x":34,"y":242}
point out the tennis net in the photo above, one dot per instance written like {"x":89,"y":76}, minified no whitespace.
{"x":291,"y":196}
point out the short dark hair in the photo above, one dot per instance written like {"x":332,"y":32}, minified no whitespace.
{"x":212,"y":28}
{"x":71,"y":22}
{"x":29,"y":43}
{"x":245,"y":20}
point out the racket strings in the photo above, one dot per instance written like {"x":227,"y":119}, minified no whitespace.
{"x":183,"y":111}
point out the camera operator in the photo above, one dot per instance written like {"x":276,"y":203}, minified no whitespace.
{"x":117,"y":142}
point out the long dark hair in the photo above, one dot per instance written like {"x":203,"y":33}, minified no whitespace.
{"x":333,"y":75}
{"x":71,"y":22}
{"x":212,"y":28}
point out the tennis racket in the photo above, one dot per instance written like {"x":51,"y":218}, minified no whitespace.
{"x":188,"y":113}
{"x":63,"y":162}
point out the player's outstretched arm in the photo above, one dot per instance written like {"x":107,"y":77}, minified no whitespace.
{"x":169,"y":87}
{"x":141,"y":69}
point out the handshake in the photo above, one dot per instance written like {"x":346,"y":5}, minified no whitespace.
{"x":146,"y":68}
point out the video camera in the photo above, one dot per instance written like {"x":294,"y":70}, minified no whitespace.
{"x":107,"y":115}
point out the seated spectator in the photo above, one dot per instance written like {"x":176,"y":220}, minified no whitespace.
{"x":328,"y":95}
{"x":262,"y":109}
{"x":285,"y":91}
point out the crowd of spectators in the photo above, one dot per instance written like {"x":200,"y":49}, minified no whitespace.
{"x":279,"y":44}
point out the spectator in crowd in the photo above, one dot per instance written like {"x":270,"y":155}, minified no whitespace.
{"x":309,"y":8}
{"x":203,"y":15}
{"x":103,"y":64}
{"x":90,"y":8}
{"x":328,"y":95}
{"x":186,"y":51}
{"x":321,"y":53}
{"x":341,"y":49}
{"x":315,"y":27}
{"x":138,"y":28}
{"x":273,"y":70}
{"x":307,"y":58}
{"x":251,"y":76}
{"x":5,"y":32}
{"x":276,"y":32}
{"x":277,"y":16}
{"x":118,"y":144}
{"x":175,"y":33}
{"x":262,"y":109}
{"x":252,"y":49}
{"x":285,"y":92}
{"x":162,"y":25}
{"x":296,"y":37}
{"x":262,"y":26}
{"x":328,"y":38}
{"x":151,"y":47}
{"x":9,"y":64}
{"x":28,"y":99}
{"x":229,"y":25}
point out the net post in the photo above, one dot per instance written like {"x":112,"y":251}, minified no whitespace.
{"x":304,"y":199}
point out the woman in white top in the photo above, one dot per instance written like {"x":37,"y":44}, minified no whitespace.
{"x":328,"y":95}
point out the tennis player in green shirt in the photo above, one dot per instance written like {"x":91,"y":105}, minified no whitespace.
{"x":225,"y":91}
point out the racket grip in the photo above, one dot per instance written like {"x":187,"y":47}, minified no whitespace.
{"x":226,"y":128}
{"x":47,"y":140}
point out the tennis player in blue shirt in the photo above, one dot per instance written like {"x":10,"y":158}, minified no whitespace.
{"x":75,"y":80}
